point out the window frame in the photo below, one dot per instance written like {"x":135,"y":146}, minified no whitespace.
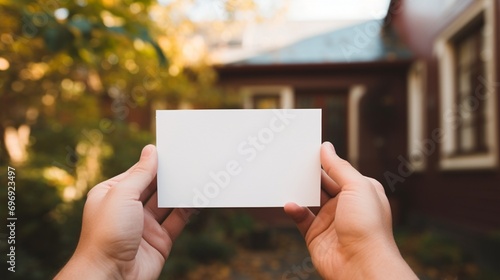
{"x":446,"y":54}
{"x":356,"y":94}
{"x":416,"y":102}
{"x":284,"y":93}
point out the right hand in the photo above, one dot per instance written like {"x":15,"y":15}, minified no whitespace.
{"x":351,"y":236}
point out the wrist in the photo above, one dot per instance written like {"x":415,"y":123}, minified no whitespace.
{"x":381,"y":260}
{"x":89,"y":264}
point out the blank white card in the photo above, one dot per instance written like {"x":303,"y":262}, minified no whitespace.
{"x":238,"y":158}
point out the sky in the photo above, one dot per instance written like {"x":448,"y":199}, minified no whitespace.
{"x":301,"y":9}
{"x":337,"y":9}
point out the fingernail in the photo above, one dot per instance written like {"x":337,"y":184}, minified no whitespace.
{"x":330,"y":146}
{"x":146,"y":151}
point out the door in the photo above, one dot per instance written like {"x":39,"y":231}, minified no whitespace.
{"x":334,"y":115}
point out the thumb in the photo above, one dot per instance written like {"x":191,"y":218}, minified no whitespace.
{"x":340,"y":170}
{"x":141,"y":175}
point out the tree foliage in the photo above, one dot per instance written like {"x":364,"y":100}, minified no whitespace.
{"x":79,"y":80}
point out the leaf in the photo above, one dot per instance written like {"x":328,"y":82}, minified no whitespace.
{"x":57,"y":37}
{"x":143,"y":34}
{"x":83,"y":25}
{"x":159,"y":52}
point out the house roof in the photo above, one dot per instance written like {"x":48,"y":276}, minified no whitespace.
{"x":242,"y":40}
{"x":362,"y":42}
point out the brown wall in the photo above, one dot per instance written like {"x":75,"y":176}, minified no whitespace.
{"x":383,"y":108}
{"x":468,"y":199}
{"x":310,"y":75}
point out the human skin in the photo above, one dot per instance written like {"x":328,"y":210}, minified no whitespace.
{"x":351,"y":236}
{"x":126,"y":236}
{"x":124,"y":233}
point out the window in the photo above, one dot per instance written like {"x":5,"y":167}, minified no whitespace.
{"x":356,"y":94}
{"x":267,"y":97}
{"x":333,"y":104}
{"x":416,"y":116}
{"x":468,"y":90}
{"x":471,"y":133}
{"x":266,"y":101}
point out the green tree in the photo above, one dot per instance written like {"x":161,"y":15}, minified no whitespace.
{"x":78,"y":82}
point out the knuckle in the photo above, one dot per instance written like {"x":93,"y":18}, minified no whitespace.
{"x":93,"y":191}
{"x":343,"y":162}
{"x":376,"y":184}
{"x":337,"y":164}
{"x":143,"y":172}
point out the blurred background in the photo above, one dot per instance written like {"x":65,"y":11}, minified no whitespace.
{"x":408,"y":90}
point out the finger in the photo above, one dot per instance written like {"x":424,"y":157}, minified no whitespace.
{"x":149,"y":191}
{"x":176,"y":221}
{"x":339,"y":169}
{"x":324,"y":197}
{"x":120,"y":176}
{"x":302,"y":216}
{"x":99,"y":191}
{"x":112,"y":181}
{"x":140,"y":177}
{"x":160,"y":214}
{"x":328,"y":185}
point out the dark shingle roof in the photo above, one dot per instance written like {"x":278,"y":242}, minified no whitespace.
{"x":363,"y":42}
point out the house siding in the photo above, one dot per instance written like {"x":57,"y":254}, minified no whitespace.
{"x":383,"y":117}
{"x":465,"y":198}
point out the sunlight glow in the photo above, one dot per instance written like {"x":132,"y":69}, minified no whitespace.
{"x":337,"y":9}
{"x":299,"y":10}
{"x":61,"y":13}
{"x":4,"y":64}
{"x":16,"y":142}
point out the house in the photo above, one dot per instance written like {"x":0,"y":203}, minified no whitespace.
{"x":454,"y":85}
{"x":410,"y":100}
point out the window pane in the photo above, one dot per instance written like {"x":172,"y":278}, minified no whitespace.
{"x":267,"y":101}
{"x":470,"y":65}
{"x":334,"y":115}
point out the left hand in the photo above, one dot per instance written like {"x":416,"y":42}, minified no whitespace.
{"x":124,"y":233}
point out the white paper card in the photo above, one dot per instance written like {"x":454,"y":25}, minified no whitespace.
{"x":238,"y":158}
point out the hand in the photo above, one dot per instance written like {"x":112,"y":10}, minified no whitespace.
{"x":351,"y":236}
{"x":124,"y":233}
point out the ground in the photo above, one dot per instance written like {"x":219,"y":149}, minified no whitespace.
{"x":287,"y":259}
